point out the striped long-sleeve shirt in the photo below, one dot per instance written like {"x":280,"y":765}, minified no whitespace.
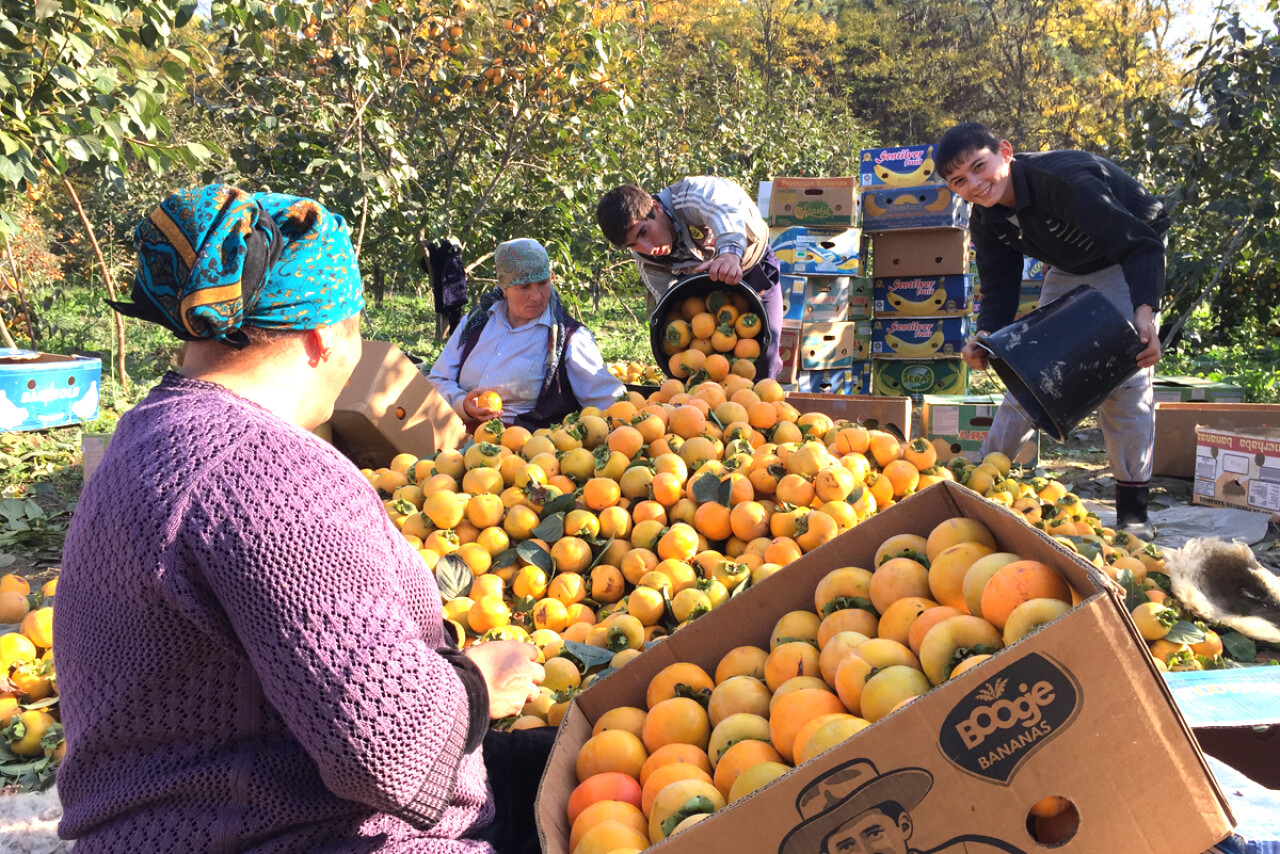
{"x":710,"y":216}
{"x":1075,"y":211}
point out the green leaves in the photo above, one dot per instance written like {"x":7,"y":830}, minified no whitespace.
{"x":84,"y":98}
{"x":453,"y":576}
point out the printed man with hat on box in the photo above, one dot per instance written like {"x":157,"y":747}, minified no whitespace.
{"x":854,"y":809}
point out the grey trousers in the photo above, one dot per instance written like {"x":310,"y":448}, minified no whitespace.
{"x":1127,"y":416}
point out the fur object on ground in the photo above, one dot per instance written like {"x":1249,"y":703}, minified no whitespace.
{"x":1223,"y":583}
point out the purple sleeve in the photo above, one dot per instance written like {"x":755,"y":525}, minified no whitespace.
{"x":311,"y":577}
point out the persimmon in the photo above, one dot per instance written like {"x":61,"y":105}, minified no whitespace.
{"x":1019,"y":582}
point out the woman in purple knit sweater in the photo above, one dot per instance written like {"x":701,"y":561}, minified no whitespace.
{"x":251,"y":657}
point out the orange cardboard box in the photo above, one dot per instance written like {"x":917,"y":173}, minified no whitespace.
{"x":1076,"y":709}
{"x":389,"y":407}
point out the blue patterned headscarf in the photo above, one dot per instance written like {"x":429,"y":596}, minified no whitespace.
{"x":214,"y":259}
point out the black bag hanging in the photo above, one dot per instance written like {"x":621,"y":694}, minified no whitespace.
{"x":448,"y":281}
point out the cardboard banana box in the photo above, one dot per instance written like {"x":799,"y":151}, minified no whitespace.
{"x":855,"y":380}
{"x":1075,"y":709}
{"x":814,"y":202}
{"x":922,"y":296}
{"x":807,"y":252}
{"x":40,"y":390}
{"x":919,"y":337}
{"x":826,"y":346}
{"x":929,"y":206}
{"x":931,"y":252}
{"x":915,"y":378}
{"x":898,"y":166}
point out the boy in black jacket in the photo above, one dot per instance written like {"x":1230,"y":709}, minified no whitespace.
{"x":1090,"y":223}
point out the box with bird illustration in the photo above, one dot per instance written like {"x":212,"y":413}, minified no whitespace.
{"x":809,"y":252}
{"x":39,"y":390}
{"x":927,"y":206}
{"x":898,"y":166}
{"x":814,"y":202}
{"x":919,"y":337}
{"x":922,"y":296}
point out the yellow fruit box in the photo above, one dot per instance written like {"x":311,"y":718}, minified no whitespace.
{"x":1075,"y":709}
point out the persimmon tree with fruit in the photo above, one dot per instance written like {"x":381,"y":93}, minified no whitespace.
{"x":420,"y":120}
{"x":79,"y":109}
{"x":1215,"y":153}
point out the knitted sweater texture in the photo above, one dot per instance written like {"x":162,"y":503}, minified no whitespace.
{"x":248,"y":650}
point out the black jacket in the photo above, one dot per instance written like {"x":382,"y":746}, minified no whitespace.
{"x":1075,"y":211}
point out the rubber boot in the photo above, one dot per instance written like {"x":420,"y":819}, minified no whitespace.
{"x":1131,"y":510}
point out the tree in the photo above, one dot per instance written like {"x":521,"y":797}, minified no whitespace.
{"x":1216,"y":151}
{"x":78,"y":105}
{"x":422,"y":121}
{"x":1045,"y":73}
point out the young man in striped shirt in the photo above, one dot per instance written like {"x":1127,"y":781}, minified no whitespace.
{"x":700,"y":224}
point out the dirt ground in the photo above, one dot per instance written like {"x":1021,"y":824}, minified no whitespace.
{"x":1082,"y":462}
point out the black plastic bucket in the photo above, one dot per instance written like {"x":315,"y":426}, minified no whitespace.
{"x":1062,"y":360}
{"x":699,"y":285}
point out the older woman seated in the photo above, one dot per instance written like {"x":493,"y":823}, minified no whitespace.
{"x":252,"y":657}
{"x":521,"y":343}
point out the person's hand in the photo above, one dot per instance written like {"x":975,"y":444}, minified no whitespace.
{"x":974,"y":356}
{"x":725,"y":268}
{"x":476,"y":410}
{"x":511,"y":673}
{"x":1144,"y":322}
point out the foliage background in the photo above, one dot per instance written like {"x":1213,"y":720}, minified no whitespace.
{"x":480,"y":120}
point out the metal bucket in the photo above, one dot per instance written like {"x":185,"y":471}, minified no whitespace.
{"x":699,"y":285}
{"x":1062,"y":360}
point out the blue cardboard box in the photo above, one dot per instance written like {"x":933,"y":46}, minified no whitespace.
{"x":824,"y":346}
{"x":39,"y":390}
{"x":826,"y":298}
{"x":898,"y":166}
{"x":804,"y":251}
{"x":1032,"y":269}
{"x":1235,"y":714}
{"x":928,"y":206}
{"x":922,"y":296}
{"x":919,"y":337}
{"x":792,"y":300}
{"x":843,"y":381}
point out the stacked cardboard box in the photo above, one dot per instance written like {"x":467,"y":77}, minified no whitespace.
{"x":826,"y":300}
{"x":922,"y":294}
{"x":1032,"y":281}
{"x":958,"y":424}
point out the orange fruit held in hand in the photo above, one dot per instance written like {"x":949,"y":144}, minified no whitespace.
{"x":487,"y":400}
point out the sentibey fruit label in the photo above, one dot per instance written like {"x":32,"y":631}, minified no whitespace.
{"x":993,"y":730}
